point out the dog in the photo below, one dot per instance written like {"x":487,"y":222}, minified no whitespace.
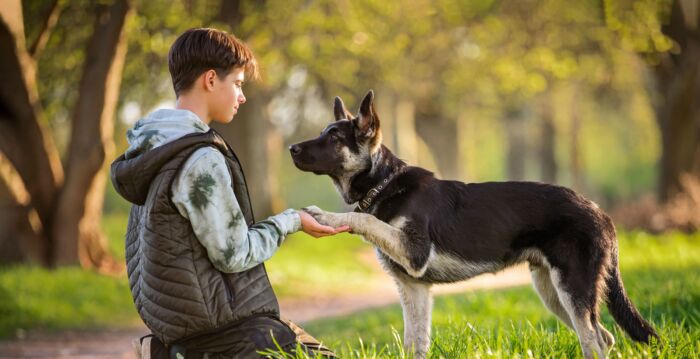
{"x":428,"y":231}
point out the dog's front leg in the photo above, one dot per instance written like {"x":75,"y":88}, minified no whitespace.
{"x":386,"y":237}
{"x":417,"y":304}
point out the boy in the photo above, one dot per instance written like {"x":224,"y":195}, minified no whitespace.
{"x":194,"y":253}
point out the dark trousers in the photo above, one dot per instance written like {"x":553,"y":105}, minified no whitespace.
{"x":245,"y":339}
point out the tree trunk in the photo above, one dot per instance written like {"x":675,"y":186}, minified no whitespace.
{"x":517,"y":143}
{"x":548,"y":160}
{"x":251,"y":136}
{"x":387,"y":118}
{"x":76,"y":231}
{"x":405,"y":124}
{"x":575,"y":156}
{"x":23,"y":139}
{"x":440,"y":134}
{"x":465,"y":137}
{"x":20,"y":240}
{"x":59,"y":216}
{"x":678,"y":109}
{"x":231,"y":13}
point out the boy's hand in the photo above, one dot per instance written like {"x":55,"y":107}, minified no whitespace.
{"x":310,"y":226}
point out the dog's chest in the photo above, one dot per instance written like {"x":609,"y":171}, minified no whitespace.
{"x":442,"y":268}
{"x":446,"y":268}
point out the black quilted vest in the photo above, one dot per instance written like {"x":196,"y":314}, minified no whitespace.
{"x":176,"y":289}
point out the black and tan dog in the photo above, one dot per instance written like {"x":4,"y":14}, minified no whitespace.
{"x":429,"y":231}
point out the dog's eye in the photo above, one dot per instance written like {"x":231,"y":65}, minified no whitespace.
{"x":334,"y":134}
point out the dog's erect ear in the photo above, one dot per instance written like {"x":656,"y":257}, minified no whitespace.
{"x":368,"y":123}
{"x":339,"y":110}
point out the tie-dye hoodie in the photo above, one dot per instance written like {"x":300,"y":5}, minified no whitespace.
{"x":203,"y":194}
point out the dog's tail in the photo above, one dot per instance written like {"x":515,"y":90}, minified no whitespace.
{"x":622,"y":309}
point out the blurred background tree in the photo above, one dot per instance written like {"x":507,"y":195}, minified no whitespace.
{"x":55,"y":194}
{"x":666,"y":34}
{"x":597,"y":95}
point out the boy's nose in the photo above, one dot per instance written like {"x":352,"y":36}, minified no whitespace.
{"x":241,"y":99}
{"x":295,"y":149}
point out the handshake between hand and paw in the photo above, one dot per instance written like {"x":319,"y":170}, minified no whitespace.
{"x":318,"y":223}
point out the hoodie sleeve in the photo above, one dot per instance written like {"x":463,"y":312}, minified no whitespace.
{"x":203,"y":194}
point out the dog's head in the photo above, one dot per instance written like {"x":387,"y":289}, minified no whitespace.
{"x":345,"y":147}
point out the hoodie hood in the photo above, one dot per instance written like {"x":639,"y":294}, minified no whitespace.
{"x":153,"y":142}
{"x":160,"y":127}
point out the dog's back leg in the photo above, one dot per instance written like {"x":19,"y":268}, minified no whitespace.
{"x":542,"y":281}
{"x":417,"y":305}
{"x":578,"y":296}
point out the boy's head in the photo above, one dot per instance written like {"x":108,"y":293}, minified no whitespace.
{"x":214,"y":61}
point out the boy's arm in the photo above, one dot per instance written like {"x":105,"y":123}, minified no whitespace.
{"x":202,"y":193}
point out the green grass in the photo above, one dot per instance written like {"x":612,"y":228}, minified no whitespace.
{"x":67,"y":298}
{"x":32,"y":298}
{"x":661,"y":274}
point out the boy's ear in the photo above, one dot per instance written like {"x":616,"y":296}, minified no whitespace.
{"x":209,"y":77}
{"x":339,"y":110}
{"x":368,"y":122}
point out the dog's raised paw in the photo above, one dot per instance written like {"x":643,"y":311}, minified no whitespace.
{"x":312,"y":210}
{"x":322,"y":217}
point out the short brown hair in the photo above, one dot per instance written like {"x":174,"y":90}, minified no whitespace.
{"x":201,"y":49}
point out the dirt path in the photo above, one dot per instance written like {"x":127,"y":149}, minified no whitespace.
{"x":115,"y":344}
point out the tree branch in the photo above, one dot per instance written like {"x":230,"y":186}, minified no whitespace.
{"x":47,"y":26}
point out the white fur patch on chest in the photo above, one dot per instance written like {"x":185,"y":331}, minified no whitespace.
{"x":447,"y":267}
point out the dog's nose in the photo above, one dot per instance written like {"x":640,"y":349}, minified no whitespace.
{"x":295,"y":149}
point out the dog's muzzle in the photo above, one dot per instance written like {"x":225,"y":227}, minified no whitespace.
{"x":295,"y":150}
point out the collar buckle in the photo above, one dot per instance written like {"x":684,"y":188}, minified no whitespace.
{"x":366,"y":202}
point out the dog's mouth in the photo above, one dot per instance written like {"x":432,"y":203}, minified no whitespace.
{"x":300,"y":162}
{"x":307,"y":163}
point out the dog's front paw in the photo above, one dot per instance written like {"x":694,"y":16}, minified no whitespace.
{"x":323,"y":217}
{"x":312,"y":210}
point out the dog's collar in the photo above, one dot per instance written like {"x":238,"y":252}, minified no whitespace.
{"x":366,"y":202}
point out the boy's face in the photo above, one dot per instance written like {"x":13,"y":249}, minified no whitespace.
{"x":227,"y":96}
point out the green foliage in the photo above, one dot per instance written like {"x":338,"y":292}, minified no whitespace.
{"x":638,"y":24}
{"x":155,"y":26}
{"x":485,"y":58}
{"x":482,"y":57}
